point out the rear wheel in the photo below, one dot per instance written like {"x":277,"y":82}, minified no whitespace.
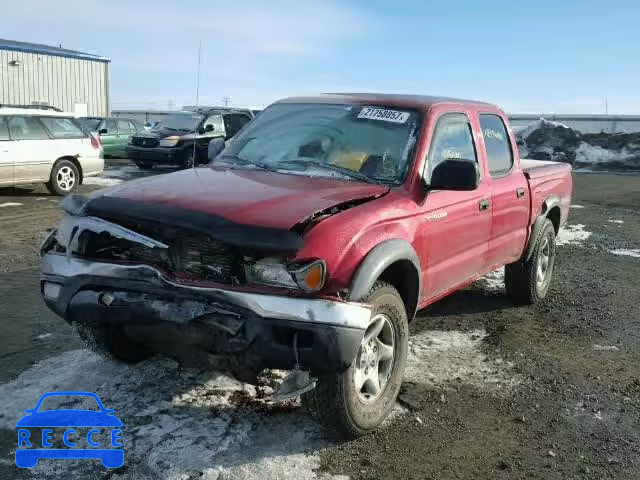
{"x":528,"y":281}
{"x":64,"y":178}
{"x":356,"y":401}
{"x":110,"y":341}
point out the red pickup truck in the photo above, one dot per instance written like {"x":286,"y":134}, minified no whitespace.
{"x":309,"y":243}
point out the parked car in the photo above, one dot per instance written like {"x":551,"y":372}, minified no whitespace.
{"x":310,"y":242}
{"x":182,"y":138}
{"x":115,"y":132}
{"x":46,"y":146}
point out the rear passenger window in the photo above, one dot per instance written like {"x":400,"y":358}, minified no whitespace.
{"x":497,"y":143}
{"x":452,"y":138}
{"x":4,"y":131}
{"x":26,"y":128}
{"x":62,"y":127}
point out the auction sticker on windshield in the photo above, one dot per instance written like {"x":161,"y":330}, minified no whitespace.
{"x":372,"y":113}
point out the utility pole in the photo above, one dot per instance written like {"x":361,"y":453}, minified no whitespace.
{"x":606,"y":107}
{"x":226,"y":101}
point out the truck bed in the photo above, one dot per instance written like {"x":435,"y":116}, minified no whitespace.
{"x":543,"y":168}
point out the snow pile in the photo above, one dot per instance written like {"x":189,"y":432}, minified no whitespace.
{"x":493,"y":280}
{"x":546,"y":140}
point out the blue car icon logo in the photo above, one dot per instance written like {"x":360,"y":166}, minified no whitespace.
{"x":85,"y":433}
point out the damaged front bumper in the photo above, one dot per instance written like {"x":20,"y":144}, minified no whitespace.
{"x":258,"y":330}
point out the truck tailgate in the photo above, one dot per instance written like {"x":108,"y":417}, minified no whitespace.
{"x":543,"y":168}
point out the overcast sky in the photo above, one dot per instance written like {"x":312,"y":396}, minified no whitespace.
{"x":536,"y":56}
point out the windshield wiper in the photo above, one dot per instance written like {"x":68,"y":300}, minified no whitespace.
{"x":336,"y":168}
{"x":243,"y":161}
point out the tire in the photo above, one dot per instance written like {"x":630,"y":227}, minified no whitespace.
{"x":144,"y":166}
{"x":336,"y":403}
{"x":190,"y":158}
{"x":64,"y":178}
{"x":111,"y":342}
{"x":528,"y":281}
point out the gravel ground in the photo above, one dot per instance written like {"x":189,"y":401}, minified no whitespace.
{"x":491,"y":390}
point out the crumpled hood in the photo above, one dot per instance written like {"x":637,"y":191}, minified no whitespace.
{"x":246,"y":196}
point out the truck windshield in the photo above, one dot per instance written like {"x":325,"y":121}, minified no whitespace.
{"x":181,"y":121}
{"x":365,"y":143}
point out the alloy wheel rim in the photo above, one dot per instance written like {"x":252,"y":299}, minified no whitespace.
{"x":374,"y":360}
{"x":544,"y":263}
{"x":66,"y":178}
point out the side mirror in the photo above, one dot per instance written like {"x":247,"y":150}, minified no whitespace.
{"x":208,"y":128}
{"x":216,"y":145}
{"x":455,"y":174}
{"x":102,"y":131}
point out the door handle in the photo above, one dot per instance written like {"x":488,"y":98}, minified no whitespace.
{"x":483,"y":204}
{"x":520,"y":192}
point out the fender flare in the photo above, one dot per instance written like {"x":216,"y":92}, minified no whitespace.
{"x":550,"y":202}
{"x":377,"y":260}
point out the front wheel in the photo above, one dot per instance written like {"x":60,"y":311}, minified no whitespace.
{"x":528,"y":281}
{"x":356,"y":401}
{"x":110,"y":341}
{"x":64,"y":178}
{"x":189,"y":159}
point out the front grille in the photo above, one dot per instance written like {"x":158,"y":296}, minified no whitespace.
{"x":202,"y":256}
{"x":199,"y":256}
{"x":144,"y":142}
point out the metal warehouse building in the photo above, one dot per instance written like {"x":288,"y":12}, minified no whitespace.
{"x":33,"y":74}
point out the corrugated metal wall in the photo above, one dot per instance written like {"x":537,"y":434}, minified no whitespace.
{"x":59,"y":81}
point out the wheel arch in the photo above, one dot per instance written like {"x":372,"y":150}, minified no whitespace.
{"x":550,"y":210}
{"x":395,"y":262}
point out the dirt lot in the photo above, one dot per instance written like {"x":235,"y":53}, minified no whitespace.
{"x":492,"y":390}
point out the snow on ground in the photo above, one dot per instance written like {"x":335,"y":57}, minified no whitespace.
{"x":10,"y":204}
{"x":577,"y":206}
{"x":629,"y":252}
{"x":176,"y":421}
{"x":181,"y":423}
{"x":574,"y":234}
{"x":443,"y":357}
{"x":616,"y":221}
{"x":102,"y":181}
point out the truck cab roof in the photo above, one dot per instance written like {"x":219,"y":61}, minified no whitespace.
{"x":398,"y":100}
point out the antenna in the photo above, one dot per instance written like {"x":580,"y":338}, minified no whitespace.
{"x":195,"y":139}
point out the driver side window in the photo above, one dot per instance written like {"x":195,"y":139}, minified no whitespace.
{"x":452,"y":138}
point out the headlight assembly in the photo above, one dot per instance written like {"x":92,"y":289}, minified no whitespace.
{"x":170,"y":141}
{"x":271,"y":271}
